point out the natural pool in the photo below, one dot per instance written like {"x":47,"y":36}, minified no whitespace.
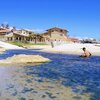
{"x":67,"y":77}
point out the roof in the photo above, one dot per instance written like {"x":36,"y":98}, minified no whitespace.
{"x":73,"y":39}
{"x":21,"y":34}
{"x":28,"y":30}
{"x":54,"y":28}
{"x":46,"y":33}
{"x":9,"y":35}
{"x":4,"y":31}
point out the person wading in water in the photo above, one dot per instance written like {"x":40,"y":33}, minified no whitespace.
{"x":86,"y":53}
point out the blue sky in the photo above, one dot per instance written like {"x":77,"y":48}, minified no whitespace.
{"x":80,"y":17}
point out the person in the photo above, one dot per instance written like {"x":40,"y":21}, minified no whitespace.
{"x":52,"y":44}
{"x":86,"y":53}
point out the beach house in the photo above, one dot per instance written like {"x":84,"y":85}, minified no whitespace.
{"x":24,"y":35}
{"x":74,"y":40}
{"x":56,"y":34}
{"x":19,"y":35}
{"x":3,"y":32}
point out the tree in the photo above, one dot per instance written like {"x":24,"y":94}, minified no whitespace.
{"x":2,"y":26}
{"x":7,"y":26}
{"x":14,"y":29}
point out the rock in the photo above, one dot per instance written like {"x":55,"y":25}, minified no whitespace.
{"x":22,"y":58}
{"x":2,"y":50}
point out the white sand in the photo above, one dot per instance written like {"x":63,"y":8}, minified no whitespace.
{"x":9,"y":46}
{"x":72,"y":48}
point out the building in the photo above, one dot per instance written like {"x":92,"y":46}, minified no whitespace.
{"x":4,"y":32}
{"x":74,"y":40}
{"x":90,"y":40}
{"x":19,"y":35}
{"x":24,"y":36}
{"x":56,"y":34}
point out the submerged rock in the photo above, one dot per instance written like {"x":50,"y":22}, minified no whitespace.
{"x":22,"y":58}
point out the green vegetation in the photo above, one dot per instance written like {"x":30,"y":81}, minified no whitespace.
{"x":21,"y":44}
{"x":25,"y":44}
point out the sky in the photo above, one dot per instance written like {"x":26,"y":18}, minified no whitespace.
{"x":80,"y":17}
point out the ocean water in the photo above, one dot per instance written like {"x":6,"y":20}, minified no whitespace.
{"x":82,"y":75}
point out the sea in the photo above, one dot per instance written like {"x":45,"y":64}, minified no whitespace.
{"x":51,"y":80}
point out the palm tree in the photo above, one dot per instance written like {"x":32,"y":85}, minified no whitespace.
{"x":2,"y":26}
{"x":14,"y":29}
{"x":7,"y":26}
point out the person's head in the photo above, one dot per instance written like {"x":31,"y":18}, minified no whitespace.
{"x":83,"y":48}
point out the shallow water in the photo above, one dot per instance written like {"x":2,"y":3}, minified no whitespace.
{"x":47,"y":81}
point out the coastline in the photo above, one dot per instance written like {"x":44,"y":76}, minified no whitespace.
{"x":71,"y":48}
{"x":29,"y":84}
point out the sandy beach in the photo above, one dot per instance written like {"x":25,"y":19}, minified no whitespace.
{"x":71,"y":48}
{"x":7,"y":46}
